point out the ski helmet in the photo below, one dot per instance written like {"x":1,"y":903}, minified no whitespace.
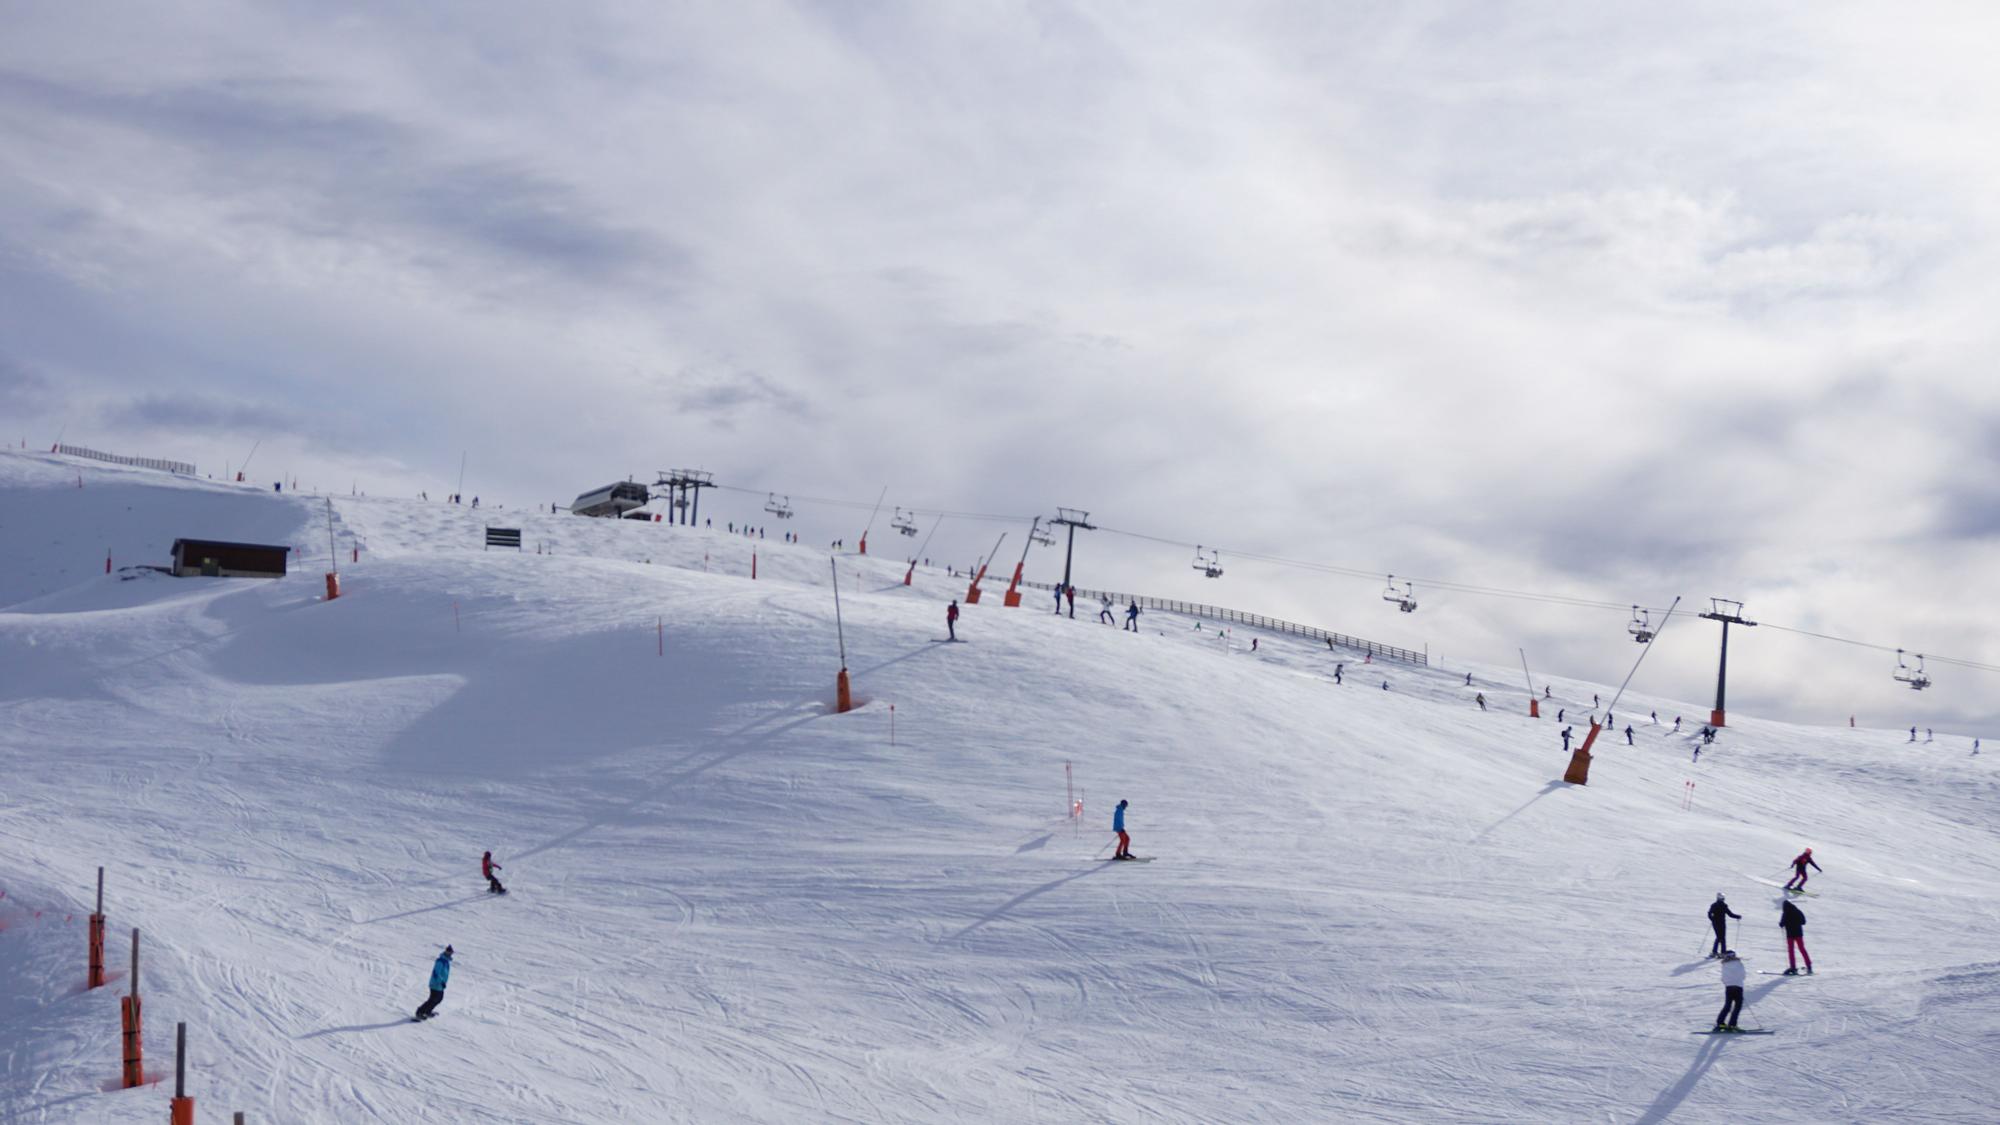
{"x":1718,"y":896}
{"x":447,"y":951}
{"x":1808,"y":851}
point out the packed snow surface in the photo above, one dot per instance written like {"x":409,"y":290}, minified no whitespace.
{"x":730,"y":902}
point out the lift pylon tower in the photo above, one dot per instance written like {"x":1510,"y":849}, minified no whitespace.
{"x":680,"y":483}
{"x":1729,"y":613}
{"x":1072,"y":519}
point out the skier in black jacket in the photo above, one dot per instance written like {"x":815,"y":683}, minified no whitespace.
{"x":1793,"y":921}
{"x":1718,"y":911}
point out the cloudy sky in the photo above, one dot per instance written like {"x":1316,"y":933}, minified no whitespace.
{"x":1615,"y":302}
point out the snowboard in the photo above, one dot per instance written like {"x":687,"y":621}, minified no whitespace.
{"x":1745,"y":1031}
{"x":420,"y":1019}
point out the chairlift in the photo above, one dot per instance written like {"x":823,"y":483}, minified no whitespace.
{"x":782,"y":511}
{"x":1641,"y":626}
{"x":1208,"y":562}
{"x":1915,"y":677}
{"x":1404,"y":594}
{"x":905,"y":524}
{"x":1043,"y":536}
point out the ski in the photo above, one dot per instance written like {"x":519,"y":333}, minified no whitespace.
{"x":1779,"y":973}
{"x":1132,"y":859}
{"x":1744,"y":1031}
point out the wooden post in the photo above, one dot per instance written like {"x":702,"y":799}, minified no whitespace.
{"x":182,"y":1111}
{"x":97,"y":936}
{"x":134,"y":1072}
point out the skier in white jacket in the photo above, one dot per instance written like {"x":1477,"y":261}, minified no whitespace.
{"x":1732,"y":991}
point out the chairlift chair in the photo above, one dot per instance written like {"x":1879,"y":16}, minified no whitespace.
{"x":1404,"y":594}
{"x":1209,"y":563}
{"x":782,"y":511}
{"x":1915,"y":677}
{"x":1641,"y":626}
{"x":1043,"y":536}
{"x":905,"y":524}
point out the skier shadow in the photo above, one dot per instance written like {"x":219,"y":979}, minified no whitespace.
{"x":354,"y":1027}
{"x":1001,"y":911}
{"x":1546,"y":790}
{"x":426,"y":909}
{"x":1670,"y":1099}
{"x":915,"y":652}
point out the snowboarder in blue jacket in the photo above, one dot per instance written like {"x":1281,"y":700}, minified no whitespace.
{"x":440,"y":973}
{"x":1118,"y":825}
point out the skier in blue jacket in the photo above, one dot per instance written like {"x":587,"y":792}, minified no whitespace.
{"x":1118,"y":825}
{"x":440,"y":973}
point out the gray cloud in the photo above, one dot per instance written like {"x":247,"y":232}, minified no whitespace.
{"x":23,"y":391}
{"x":196,"y":412}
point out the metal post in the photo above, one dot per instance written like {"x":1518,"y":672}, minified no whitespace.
{"x":1728,"y":613}
{"x":182,"y":1110}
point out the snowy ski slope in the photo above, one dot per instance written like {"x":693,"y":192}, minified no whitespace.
{"x":730,"y":903}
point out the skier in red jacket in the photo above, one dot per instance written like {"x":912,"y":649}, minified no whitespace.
{"x":487,"y":867}
{"x":1799,"y":871}
{"x":951,"y":620}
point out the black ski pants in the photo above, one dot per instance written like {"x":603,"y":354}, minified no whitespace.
{"x":430,"y":1005}
{"x":1721,"y":938}
{"x":1732,"y":1005}
{"x":493,"y":885}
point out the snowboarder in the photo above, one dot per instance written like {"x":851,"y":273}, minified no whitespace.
{"x":1718,"y":915}
{"x":1566,"y":740}
{"x":440,"y":973}
{"x":487,"y":867}
{"x":1799,"y":865}
{"x":1104,"y":614}
{"x":951,"y":620}
{"x":1481,"y":700}
{"x":1792,"y":920}
{"x":1118,"y":825}
{"x":1132,"y":616}
{"x":1628,"y":734}
{"x":1732,"y":991}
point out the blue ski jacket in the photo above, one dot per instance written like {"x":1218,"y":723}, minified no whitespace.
{"x":1118,"y":819}
{"x":441,"y":972}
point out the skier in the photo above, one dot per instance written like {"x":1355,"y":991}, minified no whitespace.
{"x":1329,"y":644}
{"x":1071,"y":593}
{"x":951,"y":620}
{"x":1546,"y":691}
{"x":1118,"y":825}
{"x":1792,"y":920}
{"x":1481,"y":700}
{"x":487,"y":867}
{"x":1336,"y":672}
{"x":1732,"y":991}
{"x":1468,"y":679}
{"x":1058,"y":599}
{"x":1913,"y":734}
{"x":440,"y":973}
{"x":1677,"y":724}
{"x":1628,"y":734}
{"x":1132,"y":616}
{"x":1927,"y":734}
{"x":1799,"y":870}
{"x":1718,"y":914}
{"x":1104,"y":614}
{"x":1559,"y":714}
{"x":1253,"y":644}
{"x":1656,"y":718}
{"x":1566,"y":740}
{"x":1385,"y":685}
